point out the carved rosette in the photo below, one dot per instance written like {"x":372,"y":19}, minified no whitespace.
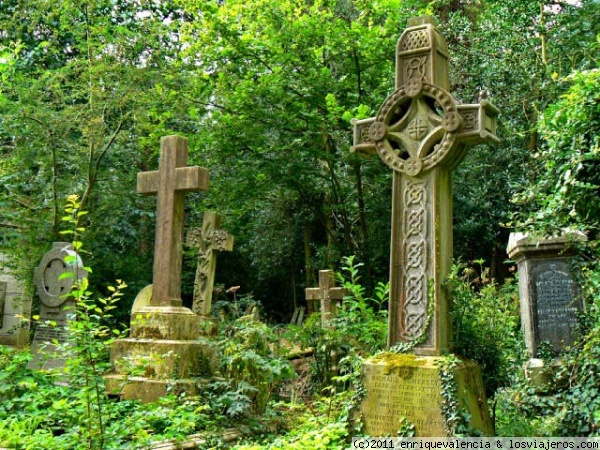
{"x":415,"y":259}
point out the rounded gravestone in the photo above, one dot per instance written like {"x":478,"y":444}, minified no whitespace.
{"x":51,"y":288}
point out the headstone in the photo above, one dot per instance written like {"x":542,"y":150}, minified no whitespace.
{"x":327,"y":294}
{"x":15,"y":308}
{"x":57,"y":306}
{"x":298,"y":316}
{"x":209,"y":240}
{"x":422,"y":133}
{"x":142,"y":300}
{"x":163,"y":348}
{"x":549,"y":295}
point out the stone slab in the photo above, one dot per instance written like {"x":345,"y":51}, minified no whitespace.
{"x":548,"y":293}
{"x":163,"y":359}
{"x":15,"y":308}
{"x":407,"y":387}
{"x":145,"y":389}
{"x":165,"y":322}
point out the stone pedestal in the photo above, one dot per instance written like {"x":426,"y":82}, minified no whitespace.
{"x":549,"y":296}
{"x":408,"y":388}
{"x":163,"y":355}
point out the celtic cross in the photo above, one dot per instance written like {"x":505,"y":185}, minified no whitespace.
{"x":422,"y":133}
{"x":209,"y":240}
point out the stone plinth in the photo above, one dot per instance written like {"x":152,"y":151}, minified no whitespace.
{"x":548,"y":293}
{"x":408,"y":388}
{"x":162,"y":356}
{"x":15,"y":308}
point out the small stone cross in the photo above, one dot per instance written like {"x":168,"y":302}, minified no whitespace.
{"x":209,"y":239}
{"x":170,"y":183}
{"x":422,"y":133}
{"x":326,"y":292}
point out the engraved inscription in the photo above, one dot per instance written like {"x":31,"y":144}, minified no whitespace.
{"x":556,"y":307}
{"x":412,"y":393}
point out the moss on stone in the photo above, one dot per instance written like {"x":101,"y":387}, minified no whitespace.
{"x":398,"y":362}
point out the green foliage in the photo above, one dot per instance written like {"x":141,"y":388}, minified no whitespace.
{"x":358,"y":327}
{"x":322,"y":425}
{"x":566,"y":190}
{"x":485,"y":323}
{"x":250,"y":365}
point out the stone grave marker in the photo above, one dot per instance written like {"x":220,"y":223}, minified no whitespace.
{"x":15,"y":308}
{"x":163,"y":342}
{"x":209,"y":240}
{"x":549,"y":296}
{"x":421,"y":132}
{"x":327,"y":294}
{"x":57,"y":307}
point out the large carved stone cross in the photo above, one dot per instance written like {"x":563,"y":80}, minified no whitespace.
{"x":170,"y":183}
{"x":325,"y":293}
{"x":422,"y":133}
{"x":209,"y":239}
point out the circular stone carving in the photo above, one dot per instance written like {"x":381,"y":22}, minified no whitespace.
{"x":413,"y":166}
{"x":451,"y":122}
{"x":413,"y":87}
{"x":50,"y":288}
{"x":377,"y":131}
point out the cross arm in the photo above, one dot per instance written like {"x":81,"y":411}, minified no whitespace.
{"x":312,"y":293}
{"x":363,"y":145}
{"x":479,"y":123}
{"x":189,"y":179}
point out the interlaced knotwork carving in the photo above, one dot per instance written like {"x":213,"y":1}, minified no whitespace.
{"x":414,"y":40}
{"x":415,"y":258}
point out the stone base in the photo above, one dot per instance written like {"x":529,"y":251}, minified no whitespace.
{"x":162,"y":359}
{"x":407,"y":388}
{"x":163,"y":353}
{"x":145,"y":389}
{"x":543,"y":377}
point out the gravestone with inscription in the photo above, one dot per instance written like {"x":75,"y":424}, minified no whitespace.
{"x":549,"y":295}
{"x":15,"y":308}
{"x":57,"y":306}
{"x":163,"y":349}
{"x":421,"y":132}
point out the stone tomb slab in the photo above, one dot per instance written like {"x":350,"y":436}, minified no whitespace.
{"x":15,"y":308}
{"x":407,"y":387}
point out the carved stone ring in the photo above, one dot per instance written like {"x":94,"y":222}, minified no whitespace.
{"x":434,"y":147}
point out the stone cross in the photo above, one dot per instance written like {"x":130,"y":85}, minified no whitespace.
{"x":326,"y":292}
{"x":209,"y":240}
{"x":422,"y":133}
{"x":170,"y":183}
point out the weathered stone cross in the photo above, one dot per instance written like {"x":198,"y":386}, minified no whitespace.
{"x":326,"y":292}
{"x":209,"y":239}
{"x":422,"y":134}
{"x":170,"y":183}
